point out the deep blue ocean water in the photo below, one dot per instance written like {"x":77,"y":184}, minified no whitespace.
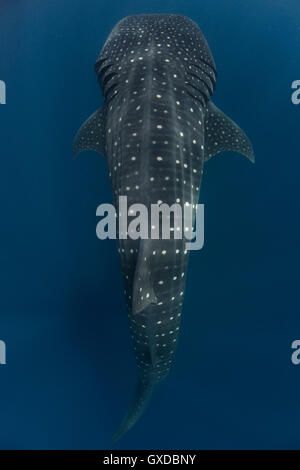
{"x":70,"y":371}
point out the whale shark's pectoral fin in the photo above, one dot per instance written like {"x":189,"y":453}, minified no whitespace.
{"x":222,"y":134}
{"x":92,"y":134}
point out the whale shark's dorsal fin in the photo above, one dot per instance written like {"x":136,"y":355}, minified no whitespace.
{"x":221,"y":134}
{"x":143,"y":292}
{"x":142,"y":298}
{"x":92,"y":134}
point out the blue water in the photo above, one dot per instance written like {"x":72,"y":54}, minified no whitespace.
{"x":70,"y":371}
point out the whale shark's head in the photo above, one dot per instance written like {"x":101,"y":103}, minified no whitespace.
{"x":140,"y":40}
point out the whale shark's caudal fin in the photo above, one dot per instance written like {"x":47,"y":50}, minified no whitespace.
{"x":222,"y":134}
{"x":139,"y":403}
{"x":92,"y":134}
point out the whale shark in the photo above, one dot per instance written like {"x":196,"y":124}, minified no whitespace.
{"x":156,"y":127}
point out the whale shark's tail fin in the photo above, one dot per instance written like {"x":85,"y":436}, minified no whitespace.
{"x":139,"y":403}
